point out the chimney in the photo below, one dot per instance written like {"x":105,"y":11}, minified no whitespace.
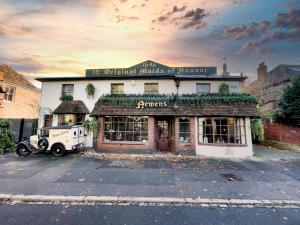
{"x":262,"y":72}
{"x":225,"y":72}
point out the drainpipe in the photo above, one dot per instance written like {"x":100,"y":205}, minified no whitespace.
{"x":177,"y":84}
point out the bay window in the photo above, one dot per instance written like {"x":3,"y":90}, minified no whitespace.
{"x":126,"y":128}
{"x":221,"y":130}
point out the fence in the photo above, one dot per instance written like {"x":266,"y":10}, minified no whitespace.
{"x":283,"y":133}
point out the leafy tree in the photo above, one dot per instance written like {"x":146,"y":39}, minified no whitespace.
{"x":224,"y":89}
{"x":289,"y":104}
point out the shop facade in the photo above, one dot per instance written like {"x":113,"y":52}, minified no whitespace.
{"x":152,"y":108}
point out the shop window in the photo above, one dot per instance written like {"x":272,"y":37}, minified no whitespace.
{"x":184,"y":129}
{"x":117,"y":88}
{"x":67,"y":90}
{"x":151,"y":88}
{"x":48,"y":120}
{"x":202,"y":88}
{"x":126,"y":128}
{"x":226,"y":130}
{"x":9,"y":94}
{"x":66,"y":119}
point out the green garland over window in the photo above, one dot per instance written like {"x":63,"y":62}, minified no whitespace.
{"x":186,"y":99}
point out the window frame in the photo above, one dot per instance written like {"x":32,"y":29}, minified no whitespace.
{"x":63,"y":93}
{"x":48,"y":115}
{"x":115,"y":121}
{"x":151,"y":84}
{"x":242,"y":131}
{"x":7,"y":93}
{"x":209,"y":88}
{"x":188,"y":132}
{"x":116,"y":93}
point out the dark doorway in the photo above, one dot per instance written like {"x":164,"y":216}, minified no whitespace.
{"x":163,"y":134}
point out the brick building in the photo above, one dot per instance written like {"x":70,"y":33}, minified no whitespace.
{"x":152,"y":107}
{"x":269,"y":86}
{"x":21,"y":98}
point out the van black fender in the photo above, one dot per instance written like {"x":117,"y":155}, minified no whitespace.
{"x":29,"y":146}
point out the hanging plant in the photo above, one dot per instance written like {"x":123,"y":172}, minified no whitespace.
{"x":90,"y":90}
{"x":224,"y":89}
{"x":91,"y":126}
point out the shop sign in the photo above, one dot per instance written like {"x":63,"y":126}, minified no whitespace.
{"x":151,"y":68}
{"x":142,"y":104}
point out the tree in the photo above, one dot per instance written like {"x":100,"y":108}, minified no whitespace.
{"x":289,"y":104}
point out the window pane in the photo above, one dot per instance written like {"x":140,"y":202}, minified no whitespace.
{"x":151,"y":88}
{"x":202,"y":88}
{"x":126,"y":128}
{"x":67,"y":89}
{"x":117,"y":88}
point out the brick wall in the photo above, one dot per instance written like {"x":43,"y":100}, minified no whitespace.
{"x":24,"y":105}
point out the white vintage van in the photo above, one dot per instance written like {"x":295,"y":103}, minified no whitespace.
{"x":58,"y":140}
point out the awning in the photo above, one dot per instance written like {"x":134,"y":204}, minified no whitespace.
{"x":235,"y":110}
{"x":71,"y":107}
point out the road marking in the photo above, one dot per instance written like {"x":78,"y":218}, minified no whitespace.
{"x":146,"y":201}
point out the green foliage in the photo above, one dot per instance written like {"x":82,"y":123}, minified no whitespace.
{"x":66,"y":98}
{"x":187,"y":99}
{"x":7,"y":137}
{"x":90,"y":90}
{"x":257,"y":130}
{"x":224,"y":89}
{"x":289,"y":104}
{"x":267,"y":113}
{"x":91,"y":126}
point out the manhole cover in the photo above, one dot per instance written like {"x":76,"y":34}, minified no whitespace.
{"x":231,"y":177}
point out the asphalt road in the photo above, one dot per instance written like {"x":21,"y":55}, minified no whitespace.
{"x":27,"y":214}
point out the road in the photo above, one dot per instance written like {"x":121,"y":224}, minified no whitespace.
{"x":35,"y":214}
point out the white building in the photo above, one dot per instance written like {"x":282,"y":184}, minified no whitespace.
{"x":151,"y":107}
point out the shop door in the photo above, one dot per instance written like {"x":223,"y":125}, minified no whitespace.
{"x":163,"y":135}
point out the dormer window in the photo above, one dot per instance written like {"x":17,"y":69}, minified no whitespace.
{"x":9,"y":94}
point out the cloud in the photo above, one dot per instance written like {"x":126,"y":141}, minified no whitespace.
{"x":284,"y":27}
{"x":164,"y":17}
{"x":190,"y":19}
{"x":123,"y":18}
{"x":241,"y":31}
{"x":193,"y":19}
{"x":22,"y":64}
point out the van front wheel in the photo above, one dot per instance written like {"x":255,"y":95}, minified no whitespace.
{"x":58,"y":150}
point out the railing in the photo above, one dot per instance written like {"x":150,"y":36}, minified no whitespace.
{"x":281,"y":132}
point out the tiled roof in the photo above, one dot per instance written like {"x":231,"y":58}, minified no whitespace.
{"x":282,"y":73}
{"x":10,"y":75}
{"x":71,"y":107}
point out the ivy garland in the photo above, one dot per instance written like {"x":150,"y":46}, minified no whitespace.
{"x":186,"y":99}
{"x":90,"y":90}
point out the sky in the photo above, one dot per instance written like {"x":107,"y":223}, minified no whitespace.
{"x":46,"y":38}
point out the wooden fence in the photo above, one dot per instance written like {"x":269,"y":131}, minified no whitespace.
{"x":283,"y":133}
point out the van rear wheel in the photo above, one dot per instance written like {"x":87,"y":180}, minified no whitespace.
{"x":58,"y":150}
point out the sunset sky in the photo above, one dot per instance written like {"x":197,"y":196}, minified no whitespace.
{"x":64,"y":37}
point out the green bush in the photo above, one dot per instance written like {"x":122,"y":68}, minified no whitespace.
{"x":91,"y":126}
{"x":7,"y":137}
{"x":257,"y":130}
{"x":66,"y":98}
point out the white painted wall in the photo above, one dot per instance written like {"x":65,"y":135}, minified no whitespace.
{"x":227,"y":151}
{"x":51,"y":93}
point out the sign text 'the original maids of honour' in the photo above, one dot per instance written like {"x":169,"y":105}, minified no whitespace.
{"x":151,"y":68}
